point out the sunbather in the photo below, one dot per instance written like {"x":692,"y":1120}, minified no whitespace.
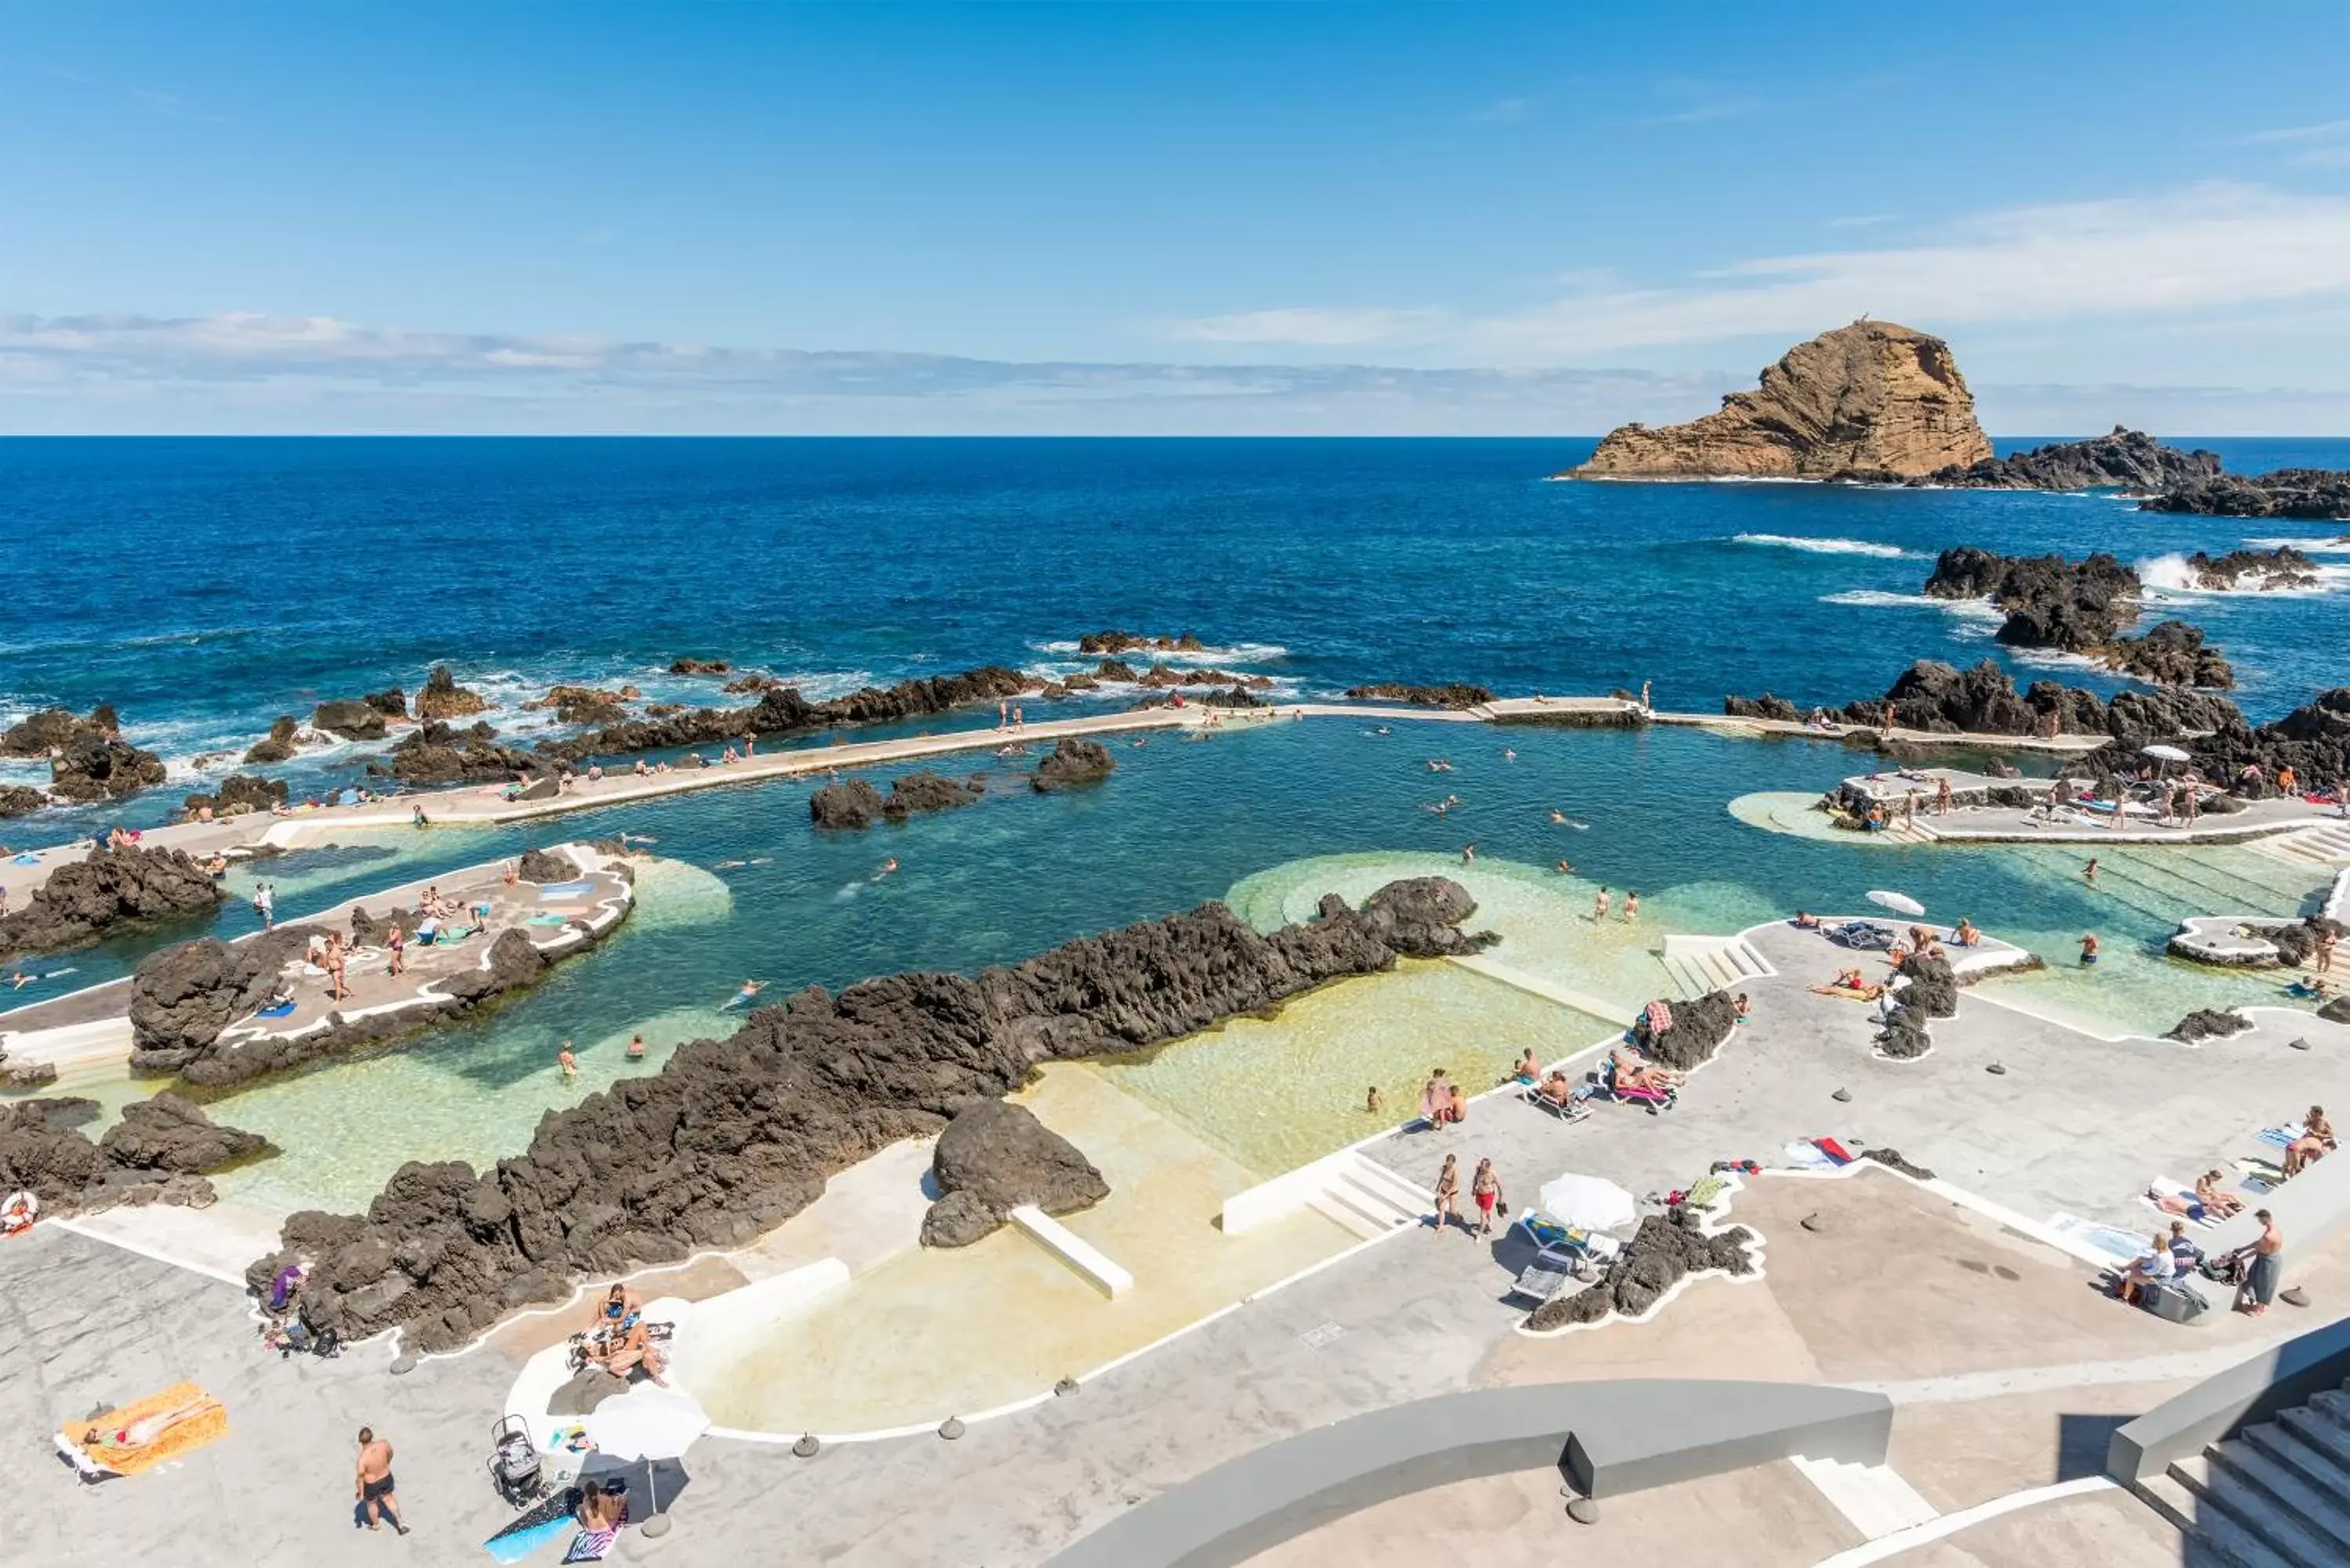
{"x":2316,"y":1140}
{"x":1528,"y":1070}
{"x":147,"y":1428}
{"x":1964,"y":933}
{"x":2176,"y":1203}
{"x":2216,"y":1199}
{"x":1632,"y":1073}
{"x":1558,"y":1089}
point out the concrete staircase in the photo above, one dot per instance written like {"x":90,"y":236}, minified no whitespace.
{"x":1368,"y":1200}
{"x":2325,"y":843}
{"x":1698,"y":966}
{"x":2277,"y":1495}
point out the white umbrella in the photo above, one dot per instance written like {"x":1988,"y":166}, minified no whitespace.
{"x":2166,"y":754}
{"x":647,"y":1424}
{"x":1587,"y":1202}
{"x":1899,"y":903}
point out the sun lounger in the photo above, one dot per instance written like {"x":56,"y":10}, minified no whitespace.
{"x":1576,"y":1108}
{"x":1863,"y":935}
{"x":1547,"y":1274}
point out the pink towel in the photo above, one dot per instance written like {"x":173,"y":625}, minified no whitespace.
{"x":1660,"y":1018}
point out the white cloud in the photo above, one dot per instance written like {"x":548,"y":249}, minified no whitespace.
{"x":2325,"y":130}
{"x":1320,"y":329}
{"x":2206,"y":248}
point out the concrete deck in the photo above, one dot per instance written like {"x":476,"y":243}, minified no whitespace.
{"x":69,"y":1031}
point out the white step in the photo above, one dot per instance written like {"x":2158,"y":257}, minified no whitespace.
{"x":2313,"y":1466}
{"x":1873,"y":1497}
{"x":1370,"y":1175}
{"x":1346,"y":1218}
{"x":1384,"y":1212}
{"x":2323,"y":1513}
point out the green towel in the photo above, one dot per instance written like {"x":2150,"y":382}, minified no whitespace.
{"x":1703,"y":1192}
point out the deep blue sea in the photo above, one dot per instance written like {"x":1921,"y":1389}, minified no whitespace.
{"x":205,"y":585}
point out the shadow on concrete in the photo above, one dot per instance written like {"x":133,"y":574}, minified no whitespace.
{"x":2082,"y":1442}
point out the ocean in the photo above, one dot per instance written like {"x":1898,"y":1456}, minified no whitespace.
{"x":203,"y":586}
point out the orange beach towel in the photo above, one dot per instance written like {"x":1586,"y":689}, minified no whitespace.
{"x":200,"y":1419}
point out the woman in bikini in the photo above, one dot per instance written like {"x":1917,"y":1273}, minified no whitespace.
{"x":1448,"y":1194}
{"x":2215,"y":1200}
{"x":2316,"y":1140}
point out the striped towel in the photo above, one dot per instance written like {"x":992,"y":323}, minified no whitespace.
{"x":1660,"y":1017}
{"x":2282,"y":1136}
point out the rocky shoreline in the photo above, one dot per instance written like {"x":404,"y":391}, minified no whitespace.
{"x":108,"y":891}
{"x":733,"y":1137}
{"x":160,"y":1152}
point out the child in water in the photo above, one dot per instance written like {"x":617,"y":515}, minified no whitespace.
{"x":567,"y":1061}
{"x":1373,"y":1102}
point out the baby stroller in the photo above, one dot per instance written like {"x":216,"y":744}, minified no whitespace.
{"x":514,"y":1462}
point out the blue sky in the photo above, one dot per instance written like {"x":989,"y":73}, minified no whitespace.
{"x":1106,"y":216}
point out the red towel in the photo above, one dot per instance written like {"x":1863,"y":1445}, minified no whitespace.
{"x":1833,"y":1149}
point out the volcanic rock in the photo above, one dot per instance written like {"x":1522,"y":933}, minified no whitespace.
{"x":1116,"y":670}
{"x":2172,"y":653}
{"x":733,"y":1137}
{"x":920,"y":792}
{"x":2076,"y":606}
{"x":276,"y":746}
{"x":239,"y":793}
{"x":101,"y":765}
{"x":1933,"y":696}
{"x":19,"y":800}
{"x":2267,"y":570}
{"x":2299,"y":492}
{"x":183,"y":995}
{"x":171,"y":1134}
{"x":1871,"y":400}
{"x":1073,"y":762}
{"x":783,"y":710}
{"x":1699,"y":1026}
{"x":1891,"y":1160}
{"x":1766,"y":706}
{"x":352,"y":717}
{"x":1136,"y":642}
{"x":439,"y":753}
{"x":1419,"y":917}
{"x":585,"y":704}
{"x":95,"y":897}
{"x":753,"y":682}
{"x":1933,"y":988}
{"x":544,"y":865}
{"x":845,"y":803}
{"x":2313,"y":740}
{"x":2337,"y":1010}
{"x":1666,"y":1249}
{"x":1456,"y":695}
{"x":2128,"y":458}
{"x":40,"y":733}
{"x":391,"y":702}
{"x":442,"y":698}
{"x":2207,"y":1023}
{"x":1000,"y":1157}
{"x":1903,"y":1036}
{"x":698,"y":666}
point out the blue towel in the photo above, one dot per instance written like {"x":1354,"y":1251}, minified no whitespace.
{"x":26,"y":860}
{"x":280,"y":1011}
{"x":2282,"y":1138}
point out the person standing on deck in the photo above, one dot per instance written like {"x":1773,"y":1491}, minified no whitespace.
{"x":372,"y":1484}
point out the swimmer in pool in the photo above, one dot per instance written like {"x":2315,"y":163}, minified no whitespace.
{"x":889,"y":868}
{"x":750,"y":989}
{"x":567,"y":1061}
{"x":725,"y":865}
{"x":637,"y":1048}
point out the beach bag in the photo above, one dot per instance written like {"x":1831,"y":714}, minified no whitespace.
{"x":2173,"y":1303}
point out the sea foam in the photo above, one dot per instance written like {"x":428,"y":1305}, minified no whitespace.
{"x":1830,"y":547}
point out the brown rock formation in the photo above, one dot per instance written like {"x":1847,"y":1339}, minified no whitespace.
{"x":1871,"y":400}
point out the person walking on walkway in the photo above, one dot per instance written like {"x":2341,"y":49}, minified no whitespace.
{"x":265,"y":904}
{"x":1486,"y":1189}
{"x":372,"y":1485}
{"x":1448,"y":1195}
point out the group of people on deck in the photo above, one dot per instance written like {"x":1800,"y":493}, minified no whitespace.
{"x":620,"y":1342}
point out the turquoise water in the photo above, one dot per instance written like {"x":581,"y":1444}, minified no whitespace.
{"x":1182,"y":822}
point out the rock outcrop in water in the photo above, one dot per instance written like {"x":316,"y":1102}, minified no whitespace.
{"x":783,"y":710}
{"x":1073,"y":762}
{"x":1869,"y":401}
{"x":155,"y":1155}
{"x":2126,"y":458}
{"x":88,"y":758}
{"x":2050,"y":602}
{"x":995,"y":1156}
{"x":442,"y":698}
{"x":734,"y":1137}
{"x":438,"y":754}
{"x":1942,"y":699}
{"x":1095,"y":642}
{"x":104,"y":893}
{"x":276,"y":746}
{"x":2294,"y":493}
{"x":20,"y":800}
{"x":2265,"y":571}
{"x":352,"y":717}
{"x":2173,"y":654}
{"x":52,"y":730}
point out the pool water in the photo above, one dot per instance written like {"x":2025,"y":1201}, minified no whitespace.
{"x":1273,"y":815}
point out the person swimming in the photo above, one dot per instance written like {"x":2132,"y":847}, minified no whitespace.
{"x":750,"y":988}
{"x":637,"y":1048}
{"x":889,"y":868}
{"x":567,"y":1061}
